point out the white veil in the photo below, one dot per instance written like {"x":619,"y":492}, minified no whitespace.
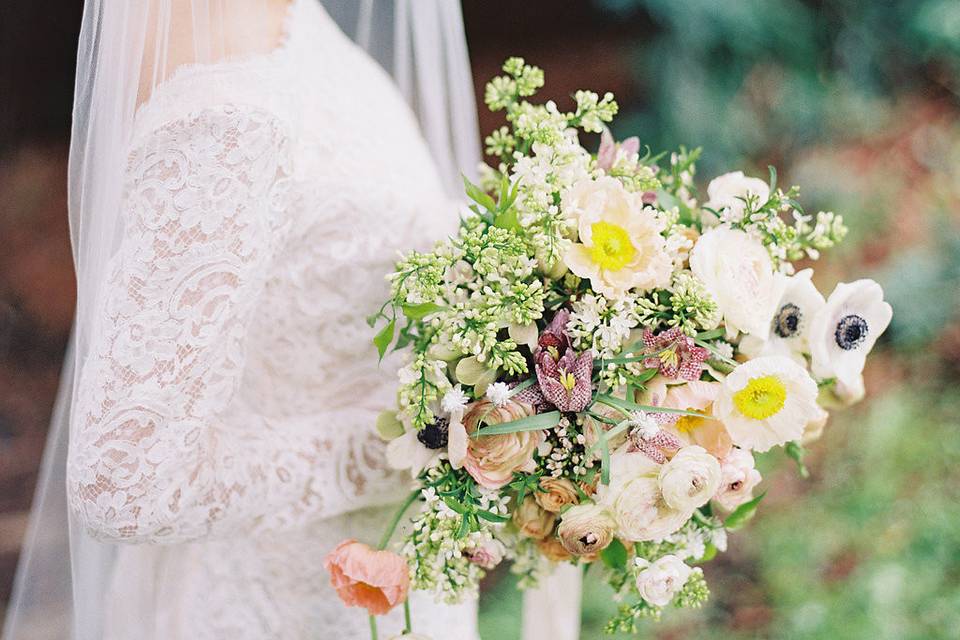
{"x":127,"y":48}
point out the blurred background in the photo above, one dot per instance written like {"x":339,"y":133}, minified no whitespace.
{"x":858,"y":102}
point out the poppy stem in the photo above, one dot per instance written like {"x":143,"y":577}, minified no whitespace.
{"x":385,"y":540}
{"x":373,"y":627}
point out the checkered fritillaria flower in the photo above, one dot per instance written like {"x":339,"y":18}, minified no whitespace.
{"x":674,"y":353}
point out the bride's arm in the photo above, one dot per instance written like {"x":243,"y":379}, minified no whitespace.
{"x":156,"y":453}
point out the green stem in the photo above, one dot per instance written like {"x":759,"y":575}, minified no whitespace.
{"x":408,"y":626}
{"x":373,"y":627}
{"x":385,"y":540}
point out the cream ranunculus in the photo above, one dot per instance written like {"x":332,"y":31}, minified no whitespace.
{"x":641,"y":513}
{"x":659,"y":582}
{"x":738,"y":273}
{"x":586,"y":529}
{"x":621,"y":246}
{"x":727,"y":194}
{"x":690,"y":478}
{"x":739,"y":477}
{"x":767,"y":402}
{"x":492,"y":460}
{"x":844,"y":332}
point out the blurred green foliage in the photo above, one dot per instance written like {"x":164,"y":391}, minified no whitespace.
{"x":760,"y":78}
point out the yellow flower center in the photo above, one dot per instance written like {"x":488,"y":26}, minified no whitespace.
{"x":567,"y":380}
{"x":687,"y":424}
{"x":611,"y":248}
{"x":761,"y":398}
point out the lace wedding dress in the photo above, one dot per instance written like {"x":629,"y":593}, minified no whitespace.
{"x":224,"y":418}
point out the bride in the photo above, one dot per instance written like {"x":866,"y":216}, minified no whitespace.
{"x":242,"y":174}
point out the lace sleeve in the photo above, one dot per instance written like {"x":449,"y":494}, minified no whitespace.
{"x":160,"y":451}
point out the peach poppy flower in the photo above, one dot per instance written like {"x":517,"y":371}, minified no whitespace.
{"x":363,"y":577}
{"x":712,"y":435}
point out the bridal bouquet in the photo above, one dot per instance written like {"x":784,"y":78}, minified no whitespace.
{"x":593,"y":361}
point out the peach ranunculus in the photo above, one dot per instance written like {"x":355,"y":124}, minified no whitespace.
{"x":553,"y":550}
{"x":556,"y":493}
{"x":698,"y":396}
{"x":492,"y":460}
{"x":363,"y":577}
{"x":532,"y":520}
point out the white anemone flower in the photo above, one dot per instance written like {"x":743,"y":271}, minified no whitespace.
{"x":844,"y":332}
{"x":766,"y":402}
{"x":790,"y":328}
{"x":418,"y":450}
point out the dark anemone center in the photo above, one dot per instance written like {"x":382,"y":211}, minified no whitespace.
{"x":787,"y":321}
{"x":434,"y":435}
{"x":851,"y":331}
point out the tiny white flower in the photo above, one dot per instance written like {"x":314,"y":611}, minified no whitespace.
{"x":644,"y":424}
{"x":844,"y":332}
{"x":659,"y":582}
{"x":498,"y":393}
{"x":454,"y":400}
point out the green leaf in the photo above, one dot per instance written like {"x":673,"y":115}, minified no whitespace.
{"x":773,"y":178}
{"x":796,"y":453}
{"x":456,"y":505}
{"x":383,"y":339}
{"x":529,"y":382}
{"x":743,"y":513}
{"x":388,"y":426}
{"x":507,"y":220}
{"x":478,"y":195}
{"x":607,"y":436}
{"x":420,"y":311}
{"x":712,"y":334}
{"x":626,"y":405}
{"x":530,"y":423}
{"x":614,"y":555}
{"x":491,"y":517}
{"x":667,"y":200}
{"x":604,"y":454}
{"x":464,"y":526}
{"x":709,"y":552}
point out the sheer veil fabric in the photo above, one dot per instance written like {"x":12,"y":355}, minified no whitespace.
{"x":127,"y":51}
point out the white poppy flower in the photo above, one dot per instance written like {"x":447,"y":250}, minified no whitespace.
{"x":844,"y":332}
{"x":738,"y":273}
{"x":727,"y":194}
{"x":790,"y":328}
{"x":766,"y":402}
{"x":620,"y":243}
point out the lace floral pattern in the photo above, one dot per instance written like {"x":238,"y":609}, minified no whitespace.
{"x":224,"y":417}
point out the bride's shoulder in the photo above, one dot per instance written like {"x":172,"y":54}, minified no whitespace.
{"x":240,"y":68}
